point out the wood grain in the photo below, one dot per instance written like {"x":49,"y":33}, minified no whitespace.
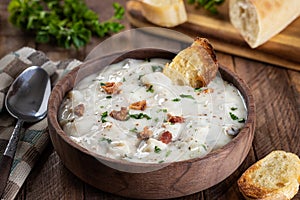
{"x":280,"y":50}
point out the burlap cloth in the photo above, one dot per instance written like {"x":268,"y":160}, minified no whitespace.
{"x":34,"y":137}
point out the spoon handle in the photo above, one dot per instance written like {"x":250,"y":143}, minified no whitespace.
{"x":8,"y":156}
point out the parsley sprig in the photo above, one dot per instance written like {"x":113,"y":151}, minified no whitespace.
{"x":64,"y":22}
{"x":210,"y":5}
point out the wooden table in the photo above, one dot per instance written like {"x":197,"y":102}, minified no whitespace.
{"x":276,"y":91}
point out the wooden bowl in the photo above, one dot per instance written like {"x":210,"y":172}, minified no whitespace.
{"x":170,"y":180}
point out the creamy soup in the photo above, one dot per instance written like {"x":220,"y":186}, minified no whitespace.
{"x":132,"y":111}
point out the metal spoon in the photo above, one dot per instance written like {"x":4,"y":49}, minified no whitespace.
{"x":26,"y":100}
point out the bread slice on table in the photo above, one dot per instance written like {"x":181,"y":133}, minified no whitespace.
{"x":195,"y":66}
{"x":275,"y":177}
{"x":166,"y":13}
{"x":259,"y":20}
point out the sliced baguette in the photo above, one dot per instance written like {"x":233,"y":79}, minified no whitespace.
{"x":166,"y":13}
{"x":195,"y":66}
{"x":259,"y":20}
{"x":275,"y":177}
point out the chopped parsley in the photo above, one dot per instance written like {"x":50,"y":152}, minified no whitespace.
{"x":176,"y":99}
{"x":168,"y":153}
{"x":140,"y":76}
{"x":161,"y":161}
{"x":150,"y":89}
{"x":139,"y":116}
{"x":204,"y":147}
{"x":233,"y":108}
{"x":198,"y":90}
{"x":157,"y":149}
{"x":186,"y":96}
{"x":162,"y":110}
{"x":106,"y":139}
{"x":103,"y":116}
{"x":133,"y":130}
{"x":108,"y":97}
{"x":102,"y":84}
{"x":101,"y":106}
{"x":156,"y":119}
{"x":156,"y":68}
{"x":123,"y":79}
{"x":234,"y":117}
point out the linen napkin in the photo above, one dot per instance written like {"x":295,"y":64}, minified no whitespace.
{"x":34,"y":137}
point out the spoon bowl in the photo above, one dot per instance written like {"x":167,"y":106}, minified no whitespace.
{"x":26,"y":100}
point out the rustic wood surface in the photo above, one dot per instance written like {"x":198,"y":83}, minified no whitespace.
{"x":276,"y":92}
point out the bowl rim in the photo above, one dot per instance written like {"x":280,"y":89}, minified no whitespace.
{"x":250,"y":121}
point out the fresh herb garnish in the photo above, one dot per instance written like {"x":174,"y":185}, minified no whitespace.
{"x":204,"y":147}
{"x":209,"y":5}
{"x":157,"y":149}
{"x":109,"y":97}
{"x":140,"y":76}
{"x":156,"y":68}
{"x":161,"y":161}
{"x":168,"y":153}
{"x":198,"y":89}
{"x":233,"y":116}
{"x":176,"y":99}
{"x":102,"y":84}
{"x":150,"y":89}
{"x":233,"y":108}
{"x":65,"y":22}
{"x":162,"y":110}
{"x":156,"y":119}
{"x":123,"y":79}
{"x":103,"y":116}
{"x":134,"y":130}
{"x":106,"y":139}
{"x":139,"y":116}
{"x":186,"y":96}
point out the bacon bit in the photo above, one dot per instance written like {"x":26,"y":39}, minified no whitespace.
{"x":119,"y":115}
{"x":145,"y":134}
{"x":166,"y":137}
{"x":112,"y":87}
{"x":208,"y":90}
{"x":140,"y":105}
{"x":79,"y":110}
{"x":175,"y":119}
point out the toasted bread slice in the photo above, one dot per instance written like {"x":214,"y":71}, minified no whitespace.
{"x":275,"y":177}
{"x":195,"y":66}
{"x":167,"y":13}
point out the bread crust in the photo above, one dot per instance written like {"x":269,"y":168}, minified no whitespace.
{"x":164,"y":13}
{"x":195,"y":66}
{"x":259,"y":20}
{"x":255,"y":185}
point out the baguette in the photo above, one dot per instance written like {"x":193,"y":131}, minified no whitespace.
{"x":275,"y":177}
{"x":195,"y":66}
{"x":166,"y":13}
{"x":259,"y":20}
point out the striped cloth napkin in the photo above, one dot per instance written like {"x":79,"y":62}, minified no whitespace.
{"x":34,"y":137}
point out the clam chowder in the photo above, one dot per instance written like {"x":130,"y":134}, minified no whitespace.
{"x":132,"y":111}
